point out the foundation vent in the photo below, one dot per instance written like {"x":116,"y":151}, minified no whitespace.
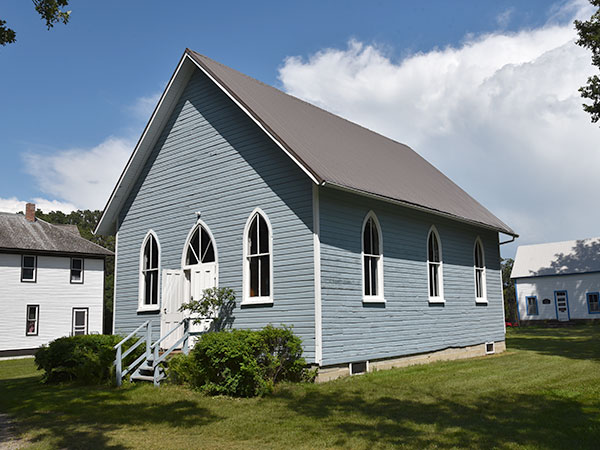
{"x":490,"y":348}
{"x":358,"y":367}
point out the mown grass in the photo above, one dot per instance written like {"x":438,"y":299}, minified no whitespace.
{"x":544,"y":392}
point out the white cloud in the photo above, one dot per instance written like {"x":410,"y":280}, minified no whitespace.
{"x":500,"y":115}
{"x":503,"y":19}
{"x":82,"y":177}
{"x":15,"y":205}
{"x":144,"y":106}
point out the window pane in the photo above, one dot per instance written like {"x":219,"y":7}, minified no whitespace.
{"x":208,"y":251}
{"x":433,"y":248}
{"x":265,"y":275}
{"x":367,"y":236}
{"x":373,"y":265}
{"x":147,"y":287}
{"x":75,"y":275}
{"x":594,"y":303}
{"x":433,"y":280}
{"x":76,"y":263}
{"x":367,"y":275}
{"x":252,"y":236}
{"x":254,"y":277}
{"x":154,"y":278}
{"x":80,"y":318}
{"x":28,"y":274}
{"x":374,"y":238}
{"x":154,"y":253}
{"x":31,"y":312}
{"x":29,"y":261}
{"x":31,"y":326}
{"x":263,"y":234}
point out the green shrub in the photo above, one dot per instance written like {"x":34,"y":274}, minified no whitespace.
{"x":241,"y":363}
{"x":86,"y":359}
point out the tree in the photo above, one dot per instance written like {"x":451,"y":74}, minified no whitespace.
{"x":51,"y":11}
{"x":589,"y":37}
{"x":508,"y":288}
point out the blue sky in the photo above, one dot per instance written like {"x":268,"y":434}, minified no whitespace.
{"x":91,"y":85}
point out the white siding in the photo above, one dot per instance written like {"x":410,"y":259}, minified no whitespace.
{"x":576,"y":285}
{"x":54,"y":294}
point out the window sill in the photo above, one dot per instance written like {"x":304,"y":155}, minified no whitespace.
{"x":481,"y":301}
{"x":373,"y":300}
{"x":257,"y":301}
{"x":437,"y":300}
{"x":144,"y":309}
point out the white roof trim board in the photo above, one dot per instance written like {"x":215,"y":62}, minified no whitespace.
{"x":557,"y":258}
{"x":327,"y":148}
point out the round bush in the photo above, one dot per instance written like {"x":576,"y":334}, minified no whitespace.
{"x":87,"y":359}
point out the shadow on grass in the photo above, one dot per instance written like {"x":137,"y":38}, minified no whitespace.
{"x":578,"y":342}
{"x":538,"y":421}
{"x":82,"y":416}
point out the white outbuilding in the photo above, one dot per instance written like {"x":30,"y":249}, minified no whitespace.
{"x":51,"y":283}
{"x":558,"y":280}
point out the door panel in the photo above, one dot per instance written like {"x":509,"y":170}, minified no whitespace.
{"x":203,"y":276}
{"x":172,"y":298}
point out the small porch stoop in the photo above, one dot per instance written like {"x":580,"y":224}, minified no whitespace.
{"x":148,"y":366}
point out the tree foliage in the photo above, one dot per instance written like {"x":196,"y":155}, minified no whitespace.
{"x":51,"y":12}
{"x":589,"y":37}
{"x":508,"y":287}
{"x":86,"y":222}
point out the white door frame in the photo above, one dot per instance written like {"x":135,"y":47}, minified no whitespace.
{"x":558,"y":312}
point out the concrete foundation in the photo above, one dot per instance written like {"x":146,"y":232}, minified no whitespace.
{"x":329,"y":373}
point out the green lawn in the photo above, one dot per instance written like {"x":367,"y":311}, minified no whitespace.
{"x":543,"y":393}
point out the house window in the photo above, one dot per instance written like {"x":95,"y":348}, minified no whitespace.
{"x":258,"y":259}
{"x":80,"y":321}
{"x":434,"y":266}
{"x":593,"y":305}
{"x":480,"y":291}
{"x":28,"y":268}
{"x":372,"y":259}
{"x":33,"y":318}
{"x":77,"y":270}
{"x":149,"y":273}
{"x":532,"y":306}
{"x":200,"y":249}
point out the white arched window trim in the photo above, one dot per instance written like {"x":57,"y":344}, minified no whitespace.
{"x":379,"y":298}
{"x":483,"y":297}
{"x":260,"y":300}
{"x":142,"y":306}
{"x":199,"y":223}
{"x":440,"y":297}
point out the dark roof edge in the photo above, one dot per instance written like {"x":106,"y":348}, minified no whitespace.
{"x":316,"y":177}
{"x":30,"y":251}
{"x":506,"y":230}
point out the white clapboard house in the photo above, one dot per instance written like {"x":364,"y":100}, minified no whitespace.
{"x":51,"y":283}
{"x":558,"y":280}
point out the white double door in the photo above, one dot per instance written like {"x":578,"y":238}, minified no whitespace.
{"x":181,"y":286}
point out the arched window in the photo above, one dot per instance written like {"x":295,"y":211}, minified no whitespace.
{"x":434,"y":266}
{"x":479,"y":265}
{"x":372,"y":259}
{"x":258,"y":259}
{"x":200,"y":247}
{"x":149,"y":272}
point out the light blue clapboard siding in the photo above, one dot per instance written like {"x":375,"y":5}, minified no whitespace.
{"x":406,"y":324}
{"x":212,"y":158}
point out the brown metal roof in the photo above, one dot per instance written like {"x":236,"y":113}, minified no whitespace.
{"x":339,"y":152}
{"x":17,"y":233}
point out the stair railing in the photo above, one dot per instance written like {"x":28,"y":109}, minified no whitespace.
{"x":147,"y":338}
{"x":183,"y":341}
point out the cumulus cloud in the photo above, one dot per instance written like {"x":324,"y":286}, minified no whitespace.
{"x":500,"y":115}
{"x":144,"y":106}
{"x":14,"y":205}
{"x":83,"y":177}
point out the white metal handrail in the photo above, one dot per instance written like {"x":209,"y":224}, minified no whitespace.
{"x":119,"y":372}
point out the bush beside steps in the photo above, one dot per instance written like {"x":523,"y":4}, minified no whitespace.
{"x":85,"y":359}
{"x":241,"y":363}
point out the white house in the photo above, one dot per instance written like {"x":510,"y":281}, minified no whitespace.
{"x":51,"y":282}
{"x":558,"y":280}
